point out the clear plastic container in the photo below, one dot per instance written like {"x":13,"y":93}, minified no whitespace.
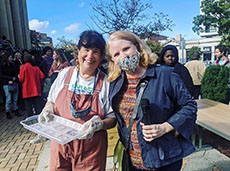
{"x":58,"y":129}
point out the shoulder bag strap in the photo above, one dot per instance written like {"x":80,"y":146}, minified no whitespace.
{"x":134,"y":114}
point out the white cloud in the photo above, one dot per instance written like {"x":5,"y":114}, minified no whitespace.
{"x":77,"y":40}
{"x":82,"y":4}
{"x":53,"y":32}
{"x":38,"y":25}
{"x":73,"y":28}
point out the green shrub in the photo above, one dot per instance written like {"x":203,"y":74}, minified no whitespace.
{"x":192,"y":51}
{"x":155,"y":47}
{"x":215,"y":83}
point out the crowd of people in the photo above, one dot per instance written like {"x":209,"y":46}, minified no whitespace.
{"x":23,"y":75}
{"x":99,"y":97}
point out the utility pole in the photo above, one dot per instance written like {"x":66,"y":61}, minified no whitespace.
{"x":182,"y":47}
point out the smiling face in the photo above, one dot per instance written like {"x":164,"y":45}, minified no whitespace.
{"x":89,"y":58}
{"x":169,"y":57}
{"x":120,"y":48}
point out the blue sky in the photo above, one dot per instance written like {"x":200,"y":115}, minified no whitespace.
{"x":69,"y":18}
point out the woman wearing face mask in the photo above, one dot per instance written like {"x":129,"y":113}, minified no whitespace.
{"x":80,"y":93}
{"x":162,"y":141}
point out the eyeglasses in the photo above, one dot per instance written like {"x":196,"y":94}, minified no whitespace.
{"x":80,"y":113}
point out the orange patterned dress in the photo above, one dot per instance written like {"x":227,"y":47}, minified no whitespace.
{"x":126,"y":100}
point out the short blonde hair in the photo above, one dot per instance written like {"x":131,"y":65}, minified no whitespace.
{"x":146,"y":56}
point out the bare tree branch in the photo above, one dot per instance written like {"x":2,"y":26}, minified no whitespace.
{"x":129,"y":15}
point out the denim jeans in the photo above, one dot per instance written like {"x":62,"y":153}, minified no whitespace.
{"x":11,"y":98}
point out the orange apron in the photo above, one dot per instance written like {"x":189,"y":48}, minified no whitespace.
{"x":77,"y":155}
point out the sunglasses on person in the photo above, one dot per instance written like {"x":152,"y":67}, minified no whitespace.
{"x":80,"y":113}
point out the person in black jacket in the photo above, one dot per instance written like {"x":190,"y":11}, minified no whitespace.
{"x":169,"y":56}
{"x":9,"y":76}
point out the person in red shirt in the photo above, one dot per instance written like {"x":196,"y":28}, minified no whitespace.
{"x":31,"y":76}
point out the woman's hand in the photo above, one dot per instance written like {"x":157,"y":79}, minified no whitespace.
{"x":91,"y":126}
{"x":45,"y":115}
{"x":151,"y":132}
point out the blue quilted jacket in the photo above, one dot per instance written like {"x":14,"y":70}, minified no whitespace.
{"x":170,"y":102}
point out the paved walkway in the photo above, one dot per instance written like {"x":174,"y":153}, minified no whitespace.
{"x":205,"y":160}
{"x":17,"y":154}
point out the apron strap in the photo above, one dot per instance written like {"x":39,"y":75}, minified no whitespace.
{"x":69,"y":75}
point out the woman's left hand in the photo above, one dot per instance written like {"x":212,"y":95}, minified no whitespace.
{"x":151,"y":132}
{"x":91,"y":126}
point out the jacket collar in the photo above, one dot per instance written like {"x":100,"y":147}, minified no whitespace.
{"x":116,"y":85}
{"x":150,"y":72}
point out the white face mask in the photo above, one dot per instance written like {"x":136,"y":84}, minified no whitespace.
{"x":129,"y":63}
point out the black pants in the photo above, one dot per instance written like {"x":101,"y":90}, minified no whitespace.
{"x":21,"y":103}
{"x":33,"y":102}
{"x":228,"y":97}
{"x":176,"y":166}
{"x":197,"y":91}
